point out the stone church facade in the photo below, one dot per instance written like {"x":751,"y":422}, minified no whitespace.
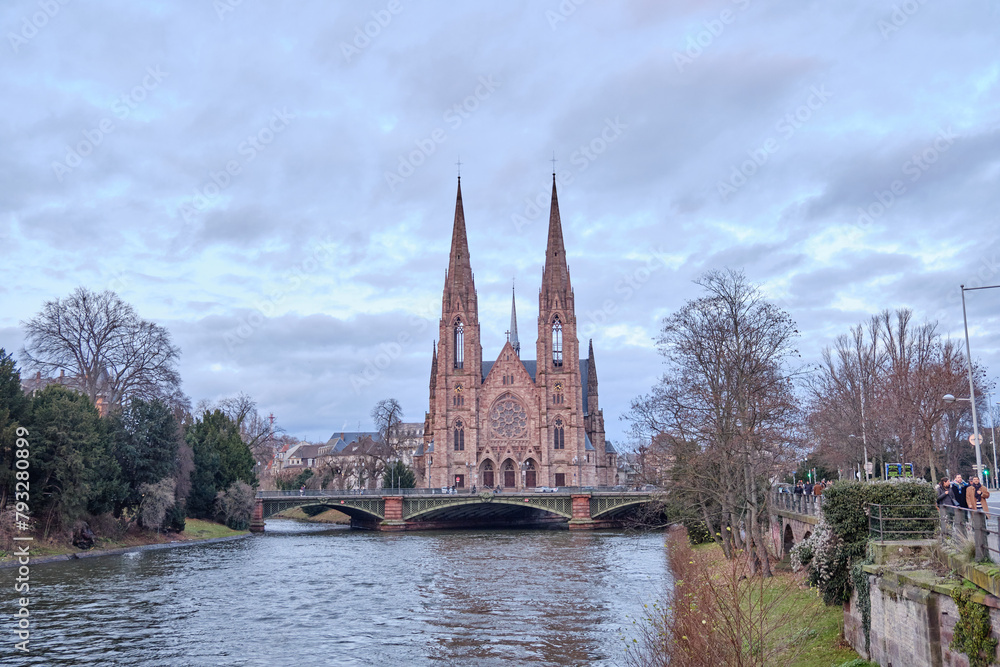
{"x":512,"y":423}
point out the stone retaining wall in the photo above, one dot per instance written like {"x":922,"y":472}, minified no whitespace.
{"x":912,"y":620}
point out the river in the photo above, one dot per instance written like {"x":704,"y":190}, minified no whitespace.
{"x":307,"y":594}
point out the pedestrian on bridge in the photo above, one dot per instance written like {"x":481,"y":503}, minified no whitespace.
{"x":945,"y":498}
{"x":976,"y":495}
{"x":958,"y":487}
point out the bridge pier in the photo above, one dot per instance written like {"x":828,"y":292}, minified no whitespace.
{"x":257,"y":519}
{"x":393,"y":514}
{"x":581,"y":513}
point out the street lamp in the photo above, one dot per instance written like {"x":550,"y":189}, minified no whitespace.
{"x":975,"y":439}
{"x":972,"y":388}
{"x":579,"y":480}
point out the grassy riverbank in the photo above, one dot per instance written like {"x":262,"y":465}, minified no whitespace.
{"x":798,"y":628}
{"x":194,"y":530}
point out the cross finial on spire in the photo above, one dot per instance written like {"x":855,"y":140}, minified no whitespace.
{"x":554,"y":164}
{"x":459,"y":165}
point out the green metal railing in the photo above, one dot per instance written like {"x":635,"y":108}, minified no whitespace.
{"x":892,"y":523}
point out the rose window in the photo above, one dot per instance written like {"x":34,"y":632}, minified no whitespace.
{"x":508,"y":419}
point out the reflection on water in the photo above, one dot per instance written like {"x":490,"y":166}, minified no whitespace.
{"x":304,"y":594}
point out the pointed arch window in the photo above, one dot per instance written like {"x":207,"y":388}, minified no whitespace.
{"x":558,"y":436}
{"x":459,"y":436}
{"x":557,"y":342}
{"x":459,"y":343}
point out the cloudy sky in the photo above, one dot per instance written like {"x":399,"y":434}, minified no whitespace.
{"x":275,"y":181}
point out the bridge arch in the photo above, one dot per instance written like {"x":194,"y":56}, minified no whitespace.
{"x":609,"y":507}
{"x":477,"y":507}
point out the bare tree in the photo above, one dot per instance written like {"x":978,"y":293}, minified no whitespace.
{"x":727,"y":393}
{"x":104,"y":348}
{"x":883,"y":386}
{"x":388,"y":417}
{"x":257,"y":431}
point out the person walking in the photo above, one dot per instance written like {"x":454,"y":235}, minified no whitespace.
{"x":818,"y":488}
{"x":798,"y":490}
{"x":958,"y":487}
{"x":944,"y":495}
{"x":976,"y":495}
{"x":807,"y":488}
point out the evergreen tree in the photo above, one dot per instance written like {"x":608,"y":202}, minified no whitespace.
{"x":72,"y":471}
{"x":220,"y":459}
{"x":144,"y":438}
{"x":13,"y":411}
{"x":398,"y":475}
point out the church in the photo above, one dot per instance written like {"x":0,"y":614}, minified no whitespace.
{"x":512,"y":423}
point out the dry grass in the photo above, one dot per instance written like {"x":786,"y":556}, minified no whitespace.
{"x":719,"y":614}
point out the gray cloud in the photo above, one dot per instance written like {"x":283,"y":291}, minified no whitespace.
{"x":117,"y":219}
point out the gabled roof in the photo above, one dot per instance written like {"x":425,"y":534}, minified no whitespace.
{"x":339,"y":441}
{"x":307,"y":451}
{"x":531,"y":366}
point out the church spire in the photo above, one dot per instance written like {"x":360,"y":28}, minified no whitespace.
{"x":434,"y":369}
{"x":459,"y":283}
{"x":514,"y":342}
{"x":592,"y":402}
{"x":556,"y":273}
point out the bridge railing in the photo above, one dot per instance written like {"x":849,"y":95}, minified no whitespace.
{"x":436,"y":491}
{"x":799,"y":503}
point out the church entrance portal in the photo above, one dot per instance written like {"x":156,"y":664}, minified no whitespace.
{"x":530,"y":475}
{"x":509,"y":475}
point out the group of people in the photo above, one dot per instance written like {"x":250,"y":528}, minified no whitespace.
{"x":969,"y":495}
{"x":809,"y":489}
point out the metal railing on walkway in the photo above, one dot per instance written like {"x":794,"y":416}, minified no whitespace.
{"x":962,"y":527}
{"x":893,"y":523}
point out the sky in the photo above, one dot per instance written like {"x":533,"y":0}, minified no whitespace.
{"x":274,"y":182}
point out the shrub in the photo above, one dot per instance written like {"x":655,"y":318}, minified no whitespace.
{"x":175,"y":521}
{"x":698,"y":532}
{"x":235,"y":505}
{"x":156,"y":500}
{"x":841,"y":539}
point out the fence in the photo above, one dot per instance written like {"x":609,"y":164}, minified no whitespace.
{"x":893,"y":523}
{"x":962,"y":526}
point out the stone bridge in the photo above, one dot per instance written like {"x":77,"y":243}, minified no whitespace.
{"x":793,"y":519}
{"x":426,"y":509}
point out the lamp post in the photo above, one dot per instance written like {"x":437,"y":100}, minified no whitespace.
{"x":976,"y":438}
{"x":524,"y":474}
{"x":972,"y":388}
{"x":468,"y":476}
